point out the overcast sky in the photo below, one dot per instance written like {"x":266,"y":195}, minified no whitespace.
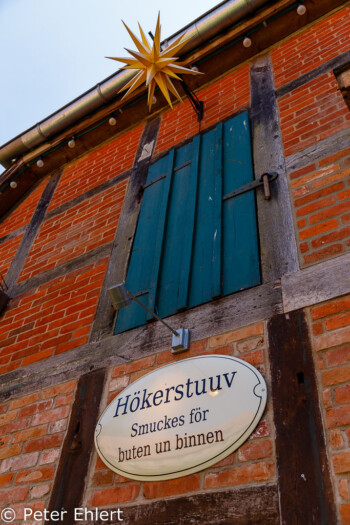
{"x":52,"y":51}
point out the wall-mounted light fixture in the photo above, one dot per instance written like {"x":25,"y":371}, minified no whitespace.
{"x":71,"y":143}
{"x":112,"y":121}
{"x":247,"y":42}
{"x":121,"y":297}
{"x":301,"y":9}
{"x":40,"y":163}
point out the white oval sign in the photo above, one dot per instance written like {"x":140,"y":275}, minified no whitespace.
{"x":181,"y":418}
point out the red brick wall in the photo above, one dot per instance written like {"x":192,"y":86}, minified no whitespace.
{"x":330,"y":324}
{"x":311,"y":47}
{"x":57,"y":316}
{"x":50,"y":319}
{"x":311,"y":113}
{"x":32,"y":429}
{"x":76,"y":231}
{"x":23,"y":213}
{"x":97,"y":166}
{"x":308,"y":114}
{"x":321,"y":195}
{"x":221,"y":99}
{"x":253,"y":463}
{"x":8,"y":250}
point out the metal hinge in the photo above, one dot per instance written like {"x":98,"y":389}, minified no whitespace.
{"x":264,"y":181}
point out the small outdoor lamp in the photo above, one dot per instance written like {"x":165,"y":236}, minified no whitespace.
{"x":121,"y":297}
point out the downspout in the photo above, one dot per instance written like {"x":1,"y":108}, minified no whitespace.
{"x":200,"y":31}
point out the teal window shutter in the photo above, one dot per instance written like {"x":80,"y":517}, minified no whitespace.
{"x":191,"y":246}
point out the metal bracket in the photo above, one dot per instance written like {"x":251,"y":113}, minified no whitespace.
{"x":198,"y":105}
{"x":264,"y":181}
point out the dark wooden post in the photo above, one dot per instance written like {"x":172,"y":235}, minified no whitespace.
{"x":305,"y":489}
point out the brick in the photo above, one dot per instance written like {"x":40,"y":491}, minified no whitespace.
{"x":134,"y":366}
{"x":317,"y":230}
{"x":114,"y":495}
{"x":64,"y":399}
{"x":310,"y":177}
{"x":50,"y":415}
{"x":329,"y":212}
{"x":63,"y":388}
{"x":254,"y":358}
{"x":43,"y":443}
{"x":40,"y":490}
{"x":343,"y":487}
{"x":317,"y":328}
{"x":342,"y":395}
{"x":338,"y":321}
{"x":49,"y":456}
{"x":14,"y":426}
{"x":340,"y":356}
{"x":254,"y":450}
{"x":319,"y":194}
{"x":9,"y":416}
{"x":35,"y":408}
{"x":23,"y":401}
{"x":341,"y":463}
{"x":338,"y":417}
{"x":118,"y":383}
{"x":8,"y":452}
{"x":338,"y":235}
{"x":262,"y":430}
{"x":57,"y":426}
{"x":331,"y":339}
{"x":35,"y":475}
{"x":163,"y":489}
{"x":8,"y":496}
{"x":319,"y":204}
{"x":262,"y":471}
{"x":336,"y":439}
{"x":19,"y":462}
{"x":6,"y":480}
{"x":336,"y":375}
{"x":345,"y":514}
{"x":102,"y":477}
{"x":236,"y":335}
{"x":331,"y":308}
{"x":250,"y":345}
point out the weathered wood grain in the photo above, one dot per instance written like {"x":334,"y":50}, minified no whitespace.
{"x":118,"y":262}
{"x":315,"y":152}
{"x":279,"y":255}
{"x":68,"y":489}
{"x":12,"y":235}
{"x":231,"y":312}
{"x":31,"y":231}
{"x":248,"y":506}
{"x":305,"y":489}
{"x":315,"y":284}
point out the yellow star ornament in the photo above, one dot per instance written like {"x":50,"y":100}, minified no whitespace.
{"x":154,"y":67}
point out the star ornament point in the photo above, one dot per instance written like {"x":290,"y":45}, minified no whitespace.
{"x":154,"y":66}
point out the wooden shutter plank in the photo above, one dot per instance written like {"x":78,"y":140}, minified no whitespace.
{"x":202,"y":267}
{"x":142,"y":263}
{"x":217,"y":248}
{"x":240,"y":242}
{"x":159,"y":232}
{"x":188,"y":233}
{"x":175,"y":263}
